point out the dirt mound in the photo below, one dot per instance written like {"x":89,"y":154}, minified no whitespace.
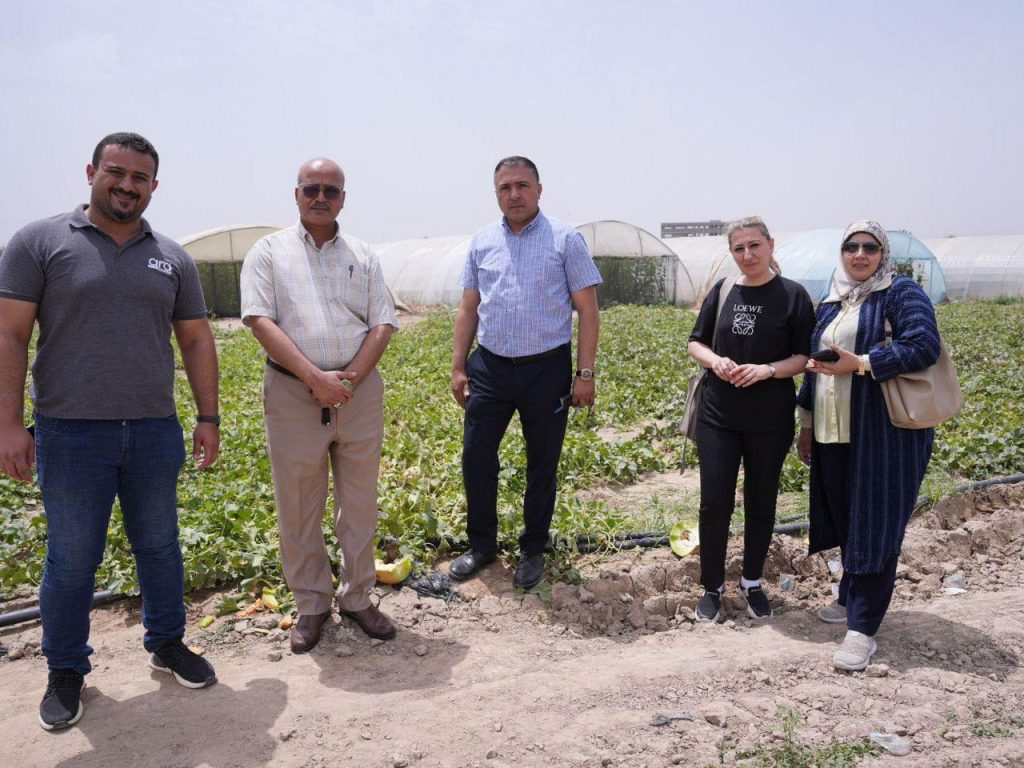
{"x":576,"y":674}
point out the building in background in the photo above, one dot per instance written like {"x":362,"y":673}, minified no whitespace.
{"x":692,"y":228}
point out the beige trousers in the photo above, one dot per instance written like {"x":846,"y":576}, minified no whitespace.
{"x":300,"y":448}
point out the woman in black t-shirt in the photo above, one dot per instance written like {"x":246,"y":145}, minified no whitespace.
{"x":747,"y":408}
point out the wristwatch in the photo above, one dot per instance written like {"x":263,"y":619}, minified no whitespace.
{"x":215,"y":420}
{"x":771,"y":369}
{"x":585,"y":373}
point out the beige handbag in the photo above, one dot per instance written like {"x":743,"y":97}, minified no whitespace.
{"x":923,"y":399}
{"x":688,"y":425}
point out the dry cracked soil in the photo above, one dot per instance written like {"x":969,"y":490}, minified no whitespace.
{"x":574,"y":675}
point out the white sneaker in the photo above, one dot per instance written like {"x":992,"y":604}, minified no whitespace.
{"x":855,"y":653}
{"x":833,"y":613}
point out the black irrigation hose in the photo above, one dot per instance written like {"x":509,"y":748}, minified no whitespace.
{"x":585,"y":544}
{"x":796,"y":527}
{"x":31,"y":614}
{"x":1004,"y":480}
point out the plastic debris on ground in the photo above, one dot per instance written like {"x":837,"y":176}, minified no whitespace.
{"x":664,"y":719}
{"x":434,"y":584}
{"x":891,"y":743}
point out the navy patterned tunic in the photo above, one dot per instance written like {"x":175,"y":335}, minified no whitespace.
{"x":887,"y":464}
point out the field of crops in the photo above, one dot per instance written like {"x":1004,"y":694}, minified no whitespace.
{"x":227,"y":517}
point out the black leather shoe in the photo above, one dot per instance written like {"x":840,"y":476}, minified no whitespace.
{"x":530,"y":571}
{"x":465,"y":565}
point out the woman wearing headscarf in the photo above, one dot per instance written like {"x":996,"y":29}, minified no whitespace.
{"x":762,"y":339}
{"x":865,"y":473}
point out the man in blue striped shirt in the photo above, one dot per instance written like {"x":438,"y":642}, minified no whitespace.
{"x":524,"y":274}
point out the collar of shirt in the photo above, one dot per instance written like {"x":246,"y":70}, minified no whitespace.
{"x":309,"y":240}
{"x":80,"y":220}
{"x":527,"y":228}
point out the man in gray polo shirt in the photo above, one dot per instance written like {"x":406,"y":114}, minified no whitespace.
{"x":107,"y":291}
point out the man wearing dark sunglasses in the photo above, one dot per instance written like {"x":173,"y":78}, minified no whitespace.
{"x":315,"y":299}
{"x":524,"y":274}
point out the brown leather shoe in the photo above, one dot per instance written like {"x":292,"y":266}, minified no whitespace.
{"x":372,"y":622}
{"x":306,"y":632}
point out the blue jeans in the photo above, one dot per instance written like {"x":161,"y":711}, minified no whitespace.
{"x":83,"y":465}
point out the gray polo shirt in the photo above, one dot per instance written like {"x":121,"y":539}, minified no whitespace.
{"x":105,"y":312}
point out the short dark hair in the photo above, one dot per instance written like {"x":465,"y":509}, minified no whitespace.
{"x":133,"y":141}
{"x":517,"y":161}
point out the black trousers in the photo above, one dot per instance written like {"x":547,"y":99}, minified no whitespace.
{"x":720,"y":452}
{"x":498,"y":387}
{"x":865,"y":595}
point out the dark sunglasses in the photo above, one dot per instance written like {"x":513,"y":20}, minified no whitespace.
{"x":869,"y":248}
{"x":312,"y":191}
{"x":563,"y":403}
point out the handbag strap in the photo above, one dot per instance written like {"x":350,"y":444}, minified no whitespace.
{"x":723,"y":291}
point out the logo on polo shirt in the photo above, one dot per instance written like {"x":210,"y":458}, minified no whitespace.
{"x":162,"y":266}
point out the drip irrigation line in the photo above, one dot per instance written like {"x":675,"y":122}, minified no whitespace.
{"x":584,"y":544}
{"x":31,"y":614}
{"x":1004,"y":480}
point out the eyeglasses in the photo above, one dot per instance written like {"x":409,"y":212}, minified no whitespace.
{"x":312,"y":191}
{"x":563,"y":403}
{"x":869,"y":248}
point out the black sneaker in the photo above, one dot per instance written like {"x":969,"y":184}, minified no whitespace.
{"x":61,"y":706}
{"x":189,"y":669}
{"x":710,"y":606}
{"x":757,"y":603}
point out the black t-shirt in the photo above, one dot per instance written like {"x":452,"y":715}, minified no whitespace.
{"x":759,"y":324}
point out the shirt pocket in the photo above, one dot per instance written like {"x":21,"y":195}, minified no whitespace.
{"x":354,"y":294}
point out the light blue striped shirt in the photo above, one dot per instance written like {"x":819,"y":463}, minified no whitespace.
{"x":526,"y":281}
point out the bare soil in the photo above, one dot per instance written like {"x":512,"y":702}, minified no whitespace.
{"x":572,"y":675}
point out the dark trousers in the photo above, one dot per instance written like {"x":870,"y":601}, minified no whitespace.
{"x":865,"y":595}
{"x":498,"y":387}
{"x":720,"y":452}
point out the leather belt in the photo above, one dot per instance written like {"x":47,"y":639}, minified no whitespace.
{"x":527,"y":358}
{"x":325,"y":413}
{"x":280,"y":368}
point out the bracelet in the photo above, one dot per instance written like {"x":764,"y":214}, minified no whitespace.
{"x":215,"y":420}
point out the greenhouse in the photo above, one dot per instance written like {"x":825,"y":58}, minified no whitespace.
{"x":638,"y":268}
{"x":988,"y":267}
{"x":424,"y":271}
{"x":707,"y":260}
{"x":219,"y":253}
{"x":809,"y":258}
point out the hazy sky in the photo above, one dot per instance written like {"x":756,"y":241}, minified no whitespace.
{"x":808,"y":113}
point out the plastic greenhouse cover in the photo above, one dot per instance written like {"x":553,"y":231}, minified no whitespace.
{"x":983,"y":267}
{"x":225,"y":243}
{"x":811,"y":258}
{"x":426,"y":270}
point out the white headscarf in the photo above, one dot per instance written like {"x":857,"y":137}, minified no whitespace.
{"x":844,"y":287}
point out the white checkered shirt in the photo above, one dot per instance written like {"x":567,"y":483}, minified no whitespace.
{"x":325,"y":300}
